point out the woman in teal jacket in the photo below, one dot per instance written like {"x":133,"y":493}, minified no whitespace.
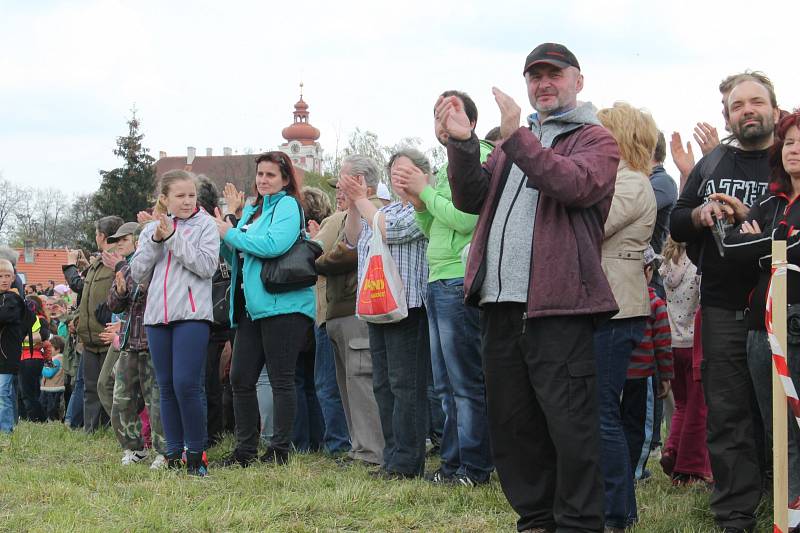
{"x":278,"y":324}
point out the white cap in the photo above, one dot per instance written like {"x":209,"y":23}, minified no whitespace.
{"x":383,"y":192}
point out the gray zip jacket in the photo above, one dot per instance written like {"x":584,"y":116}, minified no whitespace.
{"x":178,"y":269}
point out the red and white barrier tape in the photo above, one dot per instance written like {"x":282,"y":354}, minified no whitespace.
{"x":782,"y":367}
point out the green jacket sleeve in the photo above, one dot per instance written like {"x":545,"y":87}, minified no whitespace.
{"x":443,"y":210}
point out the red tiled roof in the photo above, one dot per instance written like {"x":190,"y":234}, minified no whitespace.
{"x":237,"y":169}
{"x":46,"y":265}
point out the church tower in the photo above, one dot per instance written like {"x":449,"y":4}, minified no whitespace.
{"x":301,"y":139}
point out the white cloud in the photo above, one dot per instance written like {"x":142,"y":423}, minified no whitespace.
{"x":225,"y":74}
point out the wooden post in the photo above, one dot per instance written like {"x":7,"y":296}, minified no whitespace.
{"x":780,"y":447}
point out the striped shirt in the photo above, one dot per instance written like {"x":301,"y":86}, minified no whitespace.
{"x":656,"y":345}
{"x":406,"y":243}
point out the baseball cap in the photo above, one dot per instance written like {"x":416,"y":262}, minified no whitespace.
{"x":128,"y":228}
{"x":553,"y":54}
{"x":383,"y":192}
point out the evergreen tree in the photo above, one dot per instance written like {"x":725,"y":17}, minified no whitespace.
{"x":126,"y":190}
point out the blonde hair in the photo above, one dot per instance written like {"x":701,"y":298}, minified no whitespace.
{"x":635,"y":132}
{"x":6,"y":266}
{"x":673,"y":251}
{"x":167,"y":179}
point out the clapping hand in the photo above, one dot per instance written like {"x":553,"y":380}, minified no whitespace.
{"x":354,"y":187}
{"x":119,"y":283}
{"x":143,"y":217}
{"x":509,"y":113}
{"x":110,"y":259}
{"x":683,"y":158}
{"x":408,"y":179}
{"x":223,"y":225}
{"x":164,"y":229}
{"x":111,"y":330}
{"x":72,"y":256}
{"x":449,"y":113}
{"x":706,"y":136}
{"x":234,"y":199}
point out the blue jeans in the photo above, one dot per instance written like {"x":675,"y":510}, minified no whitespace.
{"x":458,"y":380}
{"x":265,"y":406}
{"x":614,"y":342}
{"x":179,"y":359}
{"x":308,"y":424}
{"x":74,"y":415}
{"x":8,"y":402}
{"x":400,"y":366}
{"x":336,"y":438}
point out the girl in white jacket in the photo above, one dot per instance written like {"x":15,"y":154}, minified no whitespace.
{"x":178,"y":255}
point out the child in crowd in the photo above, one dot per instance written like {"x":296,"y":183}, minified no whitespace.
{"x":178,"y":254}
{"x":685,"y":455}
{"x":52,"y":389}
{"x":15,"y":320}
{"x":638,"y":399}
{"x":135,"y":409}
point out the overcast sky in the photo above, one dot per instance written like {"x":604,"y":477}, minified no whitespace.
{"x":214,"y":74}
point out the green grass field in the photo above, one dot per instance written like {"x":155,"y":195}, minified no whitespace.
{"x":55,"y":479}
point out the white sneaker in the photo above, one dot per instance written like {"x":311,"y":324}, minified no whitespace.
{"x":159,"y":463}
{"x":130,"y":457}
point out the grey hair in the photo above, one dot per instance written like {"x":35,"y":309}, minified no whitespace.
{"x":207,"y":193}
{"x":361,"y":165}
{"x":418,"y":159}
{"x":9,"y":255}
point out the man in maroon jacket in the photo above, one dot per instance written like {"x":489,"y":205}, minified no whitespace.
{"x":534,"y":268}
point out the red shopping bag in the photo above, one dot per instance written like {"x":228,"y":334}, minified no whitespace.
{"x":381,"y":295}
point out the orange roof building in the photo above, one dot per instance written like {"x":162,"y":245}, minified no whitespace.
{"x":45,"y":265}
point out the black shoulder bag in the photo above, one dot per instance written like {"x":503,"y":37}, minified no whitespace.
{"x":295,"y":269}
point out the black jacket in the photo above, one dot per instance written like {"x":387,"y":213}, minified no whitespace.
{"x":739,"y":173}
{"x":777,"y":217}
{"x":16,"y":320}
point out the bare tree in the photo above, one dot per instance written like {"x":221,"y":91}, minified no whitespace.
{"x":9,"y":200}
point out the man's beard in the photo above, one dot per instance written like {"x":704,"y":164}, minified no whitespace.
{"x":754,"y":133}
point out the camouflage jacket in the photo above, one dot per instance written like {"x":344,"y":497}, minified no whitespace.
{"x":132,"y":303}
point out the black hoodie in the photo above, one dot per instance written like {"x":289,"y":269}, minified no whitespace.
{"x":15,"y":322}
{"x":735,"y":172}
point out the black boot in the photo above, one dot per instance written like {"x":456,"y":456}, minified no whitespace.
{"x":275,"y":456}
{"x":196,"y":464}
{"x":174,"y":461}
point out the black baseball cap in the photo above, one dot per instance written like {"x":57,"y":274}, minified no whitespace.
{"x":553,"y":54}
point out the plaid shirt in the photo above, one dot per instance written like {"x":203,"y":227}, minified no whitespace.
{"x":406,"y":243}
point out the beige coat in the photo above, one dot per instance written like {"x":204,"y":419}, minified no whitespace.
{"x":628,"y":230}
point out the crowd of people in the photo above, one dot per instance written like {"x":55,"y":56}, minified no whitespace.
{"x":563,"y":296}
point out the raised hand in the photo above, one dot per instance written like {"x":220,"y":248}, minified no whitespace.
{"x":313,"y":228}
{"x":509,"y":113}
{"x":223,"y":225}
{"x":72,"y":256}
{"x":683,"y":158}
{"x":449,"y":113}
{"x":706,"y":136}
{"x":234,"y":199}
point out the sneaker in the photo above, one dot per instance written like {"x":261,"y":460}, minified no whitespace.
{"x":440,"y":478}
{"x":174,"y":462}
{"x":159,"y":463}
{"x":196,"y":464}
{"x":274,"y":456}
{"x":130,"y":457}
{"x":467,"y":481}
{"x":390,"y":475}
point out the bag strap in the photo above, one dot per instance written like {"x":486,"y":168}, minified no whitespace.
{"x":302,"y":216}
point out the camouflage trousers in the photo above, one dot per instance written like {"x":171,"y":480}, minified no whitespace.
{"x":134,"y":388}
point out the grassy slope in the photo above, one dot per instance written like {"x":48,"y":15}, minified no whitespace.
{"x":54,"y":479}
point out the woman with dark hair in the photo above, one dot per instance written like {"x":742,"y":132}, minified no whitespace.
{"x":774,"y":216}
{"x":272,"y":328}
